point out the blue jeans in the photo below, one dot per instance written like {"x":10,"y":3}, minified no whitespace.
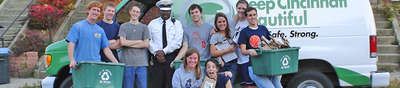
{"x":263,"y":81}
{"x":129,"y":77}
{"x":232,"y":67}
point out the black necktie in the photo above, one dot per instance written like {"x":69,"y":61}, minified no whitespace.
{"x":164,"y":34}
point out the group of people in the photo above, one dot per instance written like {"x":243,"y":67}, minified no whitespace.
{"x":166,"y":40}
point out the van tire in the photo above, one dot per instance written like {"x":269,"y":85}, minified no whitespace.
{"x":310,"y":78}
{"x":67,"y":83}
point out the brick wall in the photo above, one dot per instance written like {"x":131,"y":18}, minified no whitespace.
{"x":153,"y":13}
{"x":23,"y":65}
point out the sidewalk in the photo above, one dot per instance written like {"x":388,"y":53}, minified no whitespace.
{"x":20,"y":82}
{"x":394,"y":76}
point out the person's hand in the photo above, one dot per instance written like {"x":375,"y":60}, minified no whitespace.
{"x":161,"y":60}
{"x":213,"y":31}
{"x":222,"y":62}
{"x":228,"y":74}
{"x":231,"y":48}
{"x":171,"y":64}
{"x":115,"y":61}
{"x":252,"y":52}
{"x":160,"y":56}
{"x":72,"y":64}
{"x":112,"y":41}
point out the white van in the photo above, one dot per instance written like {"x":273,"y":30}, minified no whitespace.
{"x":337,"y":37}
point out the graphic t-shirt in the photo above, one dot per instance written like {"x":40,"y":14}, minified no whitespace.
{"x":88,"y":39}
{"x":238,"y":28}
{"x":199,"y":37}
{"x":252,"y":37}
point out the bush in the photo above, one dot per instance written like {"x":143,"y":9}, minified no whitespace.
{"x":388,"y":11}
{"x":64,"y":5}
{"x":31,"y":40}
{"x":1,"y":1}
{"x":39,"y":14}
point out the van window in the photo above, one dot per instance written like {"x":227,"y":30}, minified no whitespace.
{"x":123,"y":15}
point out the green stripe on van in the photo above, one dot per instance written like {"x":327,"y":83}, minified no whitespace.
{"x":351,"y":77}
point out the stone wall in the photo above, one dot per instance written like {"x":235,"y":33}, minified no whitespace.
{"x":23,"y":65}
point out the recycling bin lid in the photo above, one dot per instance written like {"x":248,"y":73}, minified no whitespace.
{"x":4,"y":50}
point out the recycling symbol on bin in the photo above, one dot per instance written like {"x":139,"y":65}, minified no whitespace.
{"x":285,"y":62}
{"x":105,"y":76}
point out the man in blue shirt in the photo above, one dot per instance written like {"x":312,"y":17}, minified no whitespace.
{"x":250,"y":38}
{"x":111,"y":29}
{"x":85,"y":39}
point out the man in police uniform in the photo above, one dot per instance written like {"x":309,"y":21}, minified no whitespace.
{"x":165,"y":39}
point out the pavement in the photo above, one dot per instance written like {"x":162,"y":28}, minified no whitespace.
{"x":394,"y":76}
{"x":21,"y":82}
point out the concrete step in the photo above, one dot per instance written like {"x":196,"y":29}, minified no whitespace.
{"x":15,"y":12}
{"x":8,"y":37}
{"x":77,"y":19}
{"x":80,"y":14}
{"x":380,"y":17}
{"x":382,"y":24}
{"x":377,"y":10}
{"x":65,"y":34}
{"x":20,"y":1}
{"x":11,"y":31}
{"x":385,"y":40}
{"x":85,"y":2}
{"x":388,"y":48}
{"x":387,"y":66}
{"x":17,"y":4}
{"x":17,"y":24}
{"x":82,"y":7}
{"x":388,"y":58}
{"x":12,"y":17}
{"x":40,"y":74}
{"x":40,"y":70}
{"x":6,"y":43}
{"x":385,"y":32}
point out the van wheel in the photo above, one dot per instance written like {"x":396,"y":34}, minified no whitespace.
{"x":310,"y":79}
{"x":67,"y":83}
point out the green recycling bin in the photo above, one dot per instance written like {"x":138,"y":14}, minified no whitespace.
{"x":276,"y":62}
{"x":177,"y":63}
{"x":4,"y":66}
{"x":90,"y":74}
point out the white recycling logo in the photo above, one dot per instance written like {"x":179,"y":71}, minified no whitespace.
{"x":285,"y":62}
{"x":105,"y":76}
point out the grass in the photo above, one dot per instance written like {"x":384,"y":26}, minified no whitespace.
{"x":34,"y":86}
{"x":395,"y":42}
{"x":1,"y":1}
{"x":386,"y":69}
